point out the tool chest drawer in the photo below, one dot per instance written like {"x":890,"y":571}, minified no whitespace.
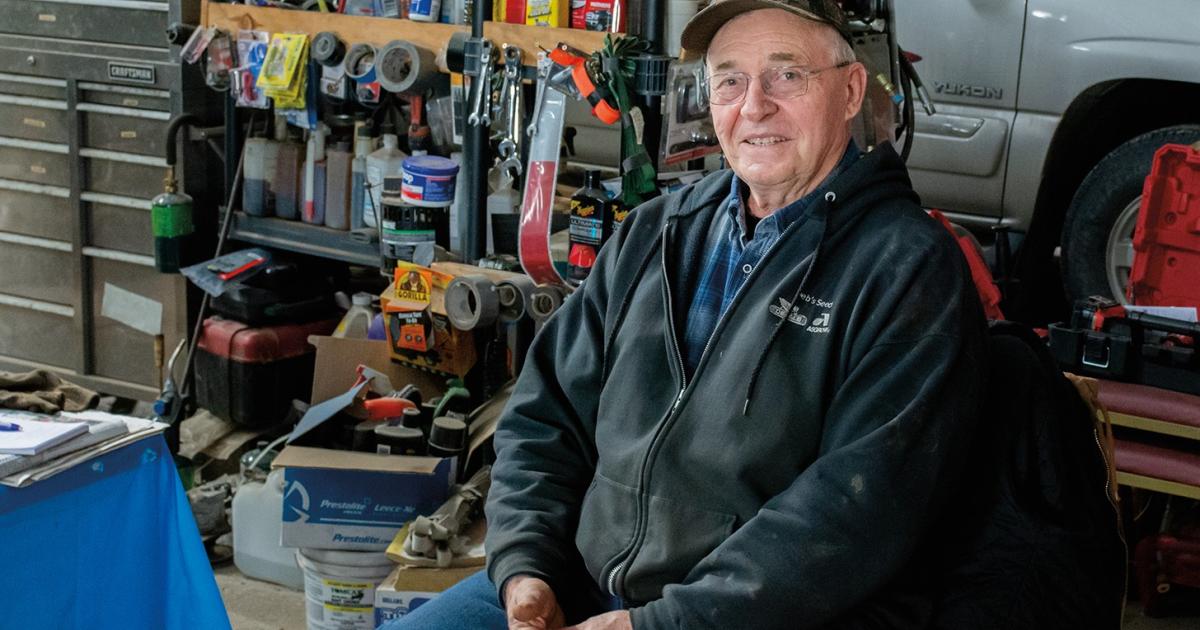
{"x":125,"y":97}
{"x":121,"y":352}
{"x":36,"y":271}
{"x":33,"y":87}
{"x":30,"y":118}
{"x":45,"y":214}
{"x":124,"y":129}
{"x":109,"y":21}
{"x":121,"y":227}
{"x":112,"y":175}
{"x":53,"y":345}
{"x":41,"y":163}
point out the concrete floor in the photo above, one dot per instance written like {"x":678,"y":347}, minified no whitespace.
{"x":258,"y":605}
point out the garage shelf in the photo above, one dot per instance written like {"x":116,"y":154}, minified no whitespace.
{"x":354,"y":29}
{"x":304,"y":238}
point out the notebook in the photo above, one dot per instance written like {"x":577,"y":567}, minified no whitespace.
{"x":36,"y":435}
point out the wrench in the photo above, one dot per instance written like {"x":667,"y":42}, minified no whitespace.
{"x":544,"y":65}
{"x":481,"y":109}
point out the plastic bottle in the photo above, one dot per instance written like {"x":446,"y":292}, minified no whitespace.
{"x":256,"y":528}
{"x":589,"y":218}
{"x":338,"y":180}
{"x":258,"y":196}
{"x":289,"y":169}
{"x":360,"y":7}
{"x":424,"y":10}
{"x":357,"y":321}
{"x":254,"y":190}
{"x":364,"y":143}
{"x":386,"y":161}
{"x":314,"y":176}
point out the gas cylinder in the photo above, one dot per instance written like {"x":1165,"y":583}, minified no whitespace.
{"x":171,"y":224}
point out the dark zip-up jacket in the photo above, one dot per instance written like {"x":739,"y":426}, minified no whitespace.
{"x":796,"y":479}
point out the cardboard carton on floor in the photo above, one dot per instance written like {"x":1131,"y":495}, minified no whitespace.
{"x":354,"y":500}
{"x":409,"y":587}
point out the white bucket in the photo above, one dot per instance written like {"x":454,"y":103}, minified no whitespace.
{"x":339,"y":587}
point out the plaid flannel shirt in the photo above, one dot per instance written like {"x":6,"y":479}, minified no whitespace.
{"x":733,"y":255}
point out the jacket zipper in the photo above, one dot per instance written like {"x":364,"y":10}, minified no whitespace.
{"x":642,"y":495}
{"x":638,"y":532}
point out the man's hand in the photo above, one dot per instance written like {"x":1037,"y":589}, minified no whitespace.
{"x":531,"y":605}
{"x":616,"y":620}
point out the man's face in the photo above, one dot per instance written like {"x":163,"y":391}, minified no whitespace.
{"x":776,"y":144}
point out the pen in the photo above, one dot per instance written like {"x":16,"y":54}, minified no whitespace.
{"x":9,"y":426}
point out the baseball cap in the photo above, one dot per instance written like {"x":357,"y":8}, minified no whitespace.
{"x":699,"y":31}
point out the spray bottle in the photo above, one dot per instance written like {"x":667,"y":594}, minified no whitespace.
{"x":364,"y":143}
{"x":314,"y":176}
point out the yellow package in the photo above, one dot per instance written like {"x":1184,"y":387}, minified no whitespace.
{"x":548,"y":13}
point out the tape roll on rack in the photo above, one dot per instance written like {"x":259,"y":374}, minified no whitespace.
{"x":327,"y":49}
{"x":471,"y":302}
{"x":515,"y":296}
{"x":405,"y":68}
{"x":544,"y":301}
{"x":360,"y":63}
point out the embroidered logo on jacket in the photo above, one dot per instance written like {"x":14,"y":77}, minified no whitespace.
{"x":819,"y":324}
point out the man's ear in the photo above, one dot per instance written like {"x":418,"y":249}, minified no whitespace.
{"x":856,"y":87}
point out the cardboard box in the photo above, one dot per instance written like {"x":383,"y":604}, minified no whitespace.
{"x":418,"y":317}
{"x":347,"y":500}
{"x":408,"y":588}
{"x":352,"y":500}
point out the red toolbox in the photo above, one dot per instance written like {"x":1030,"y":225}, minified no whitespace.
{"x":250,"y":375}
{"x":1166,"y":263}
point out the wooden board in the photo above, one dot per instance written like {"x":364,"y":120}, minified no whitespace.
{"x":379,"y":31}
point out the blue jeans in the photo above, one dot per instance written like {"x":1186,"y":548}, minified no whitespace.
{"x":469,"y":605}
{"x":472,"y":604}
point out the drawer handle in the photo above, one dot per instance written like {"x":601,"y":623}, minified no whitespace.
{"x":47,"y":17}
{"x":34,"y":122}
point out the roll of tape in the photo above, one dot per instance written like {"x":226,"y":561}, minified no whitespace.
{"x":404,"y":68}
{"x":515,"y":295}
{"x":327,"y":49}
{"x":360,"y":63}
{"x":471,"y":302}
{"x":544,"y":301}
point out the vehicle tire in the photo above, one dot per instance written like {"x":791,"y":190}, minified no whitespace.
{"x":1097,"y":236}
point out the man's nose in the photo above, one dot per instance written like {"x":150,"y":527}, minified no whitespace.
{"x":757,"y":103}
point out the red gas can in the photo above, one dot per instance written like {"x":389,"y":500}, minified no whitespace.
{"x":1166,"y":262}
{"x":251,"y":375}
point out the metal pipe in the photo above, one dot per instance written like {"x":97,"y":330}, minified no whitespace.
{"x":475,"y":162}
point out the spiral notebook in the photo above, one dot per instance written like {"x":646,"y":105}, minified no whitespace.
{"x":21,"y":436}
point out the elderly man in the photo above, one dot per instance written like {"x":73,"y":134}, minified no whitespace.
{"x":753,"y":412}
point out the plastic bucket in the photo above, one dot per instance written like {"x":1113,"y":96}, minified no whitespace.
{"x":339,"y":587}
{"x":428,"y":181}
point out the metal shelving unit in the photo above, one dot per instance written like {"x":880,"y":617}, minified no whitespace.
{"x":294,"y":236}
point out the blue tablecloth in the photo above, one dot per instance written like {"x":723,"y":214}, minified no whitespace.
{"x":110,"y":543}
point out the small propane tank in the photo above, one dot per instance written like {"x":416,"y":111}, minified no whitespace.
{"x":171,"y":221}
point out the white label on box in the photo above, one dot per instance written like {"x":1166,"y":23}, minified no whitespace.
{"x":392,"y":605}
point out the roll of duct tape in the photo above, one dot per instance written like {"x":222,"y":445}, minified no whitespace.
{"x":544,"y":301}
{"x":404,"y":68}
{"x":515,"y":295}
{"x":471,"y":302}
{"x":360,"y":63}
{"x":327,"y":49}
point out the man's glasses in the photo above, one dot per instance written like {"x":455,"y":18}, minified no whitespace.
{"x":785,"y":82}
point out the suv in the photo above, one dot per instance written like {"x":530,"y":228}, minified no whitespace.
{"x":1048,"y":115}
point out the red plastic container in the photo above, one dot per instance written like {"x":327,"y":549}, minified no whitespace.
{"x":251,"y":375}
{"x":1166,"y":262}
